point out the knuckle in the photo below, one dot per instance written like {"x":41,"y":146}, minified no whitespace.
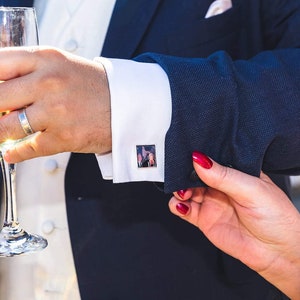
{"x":223,"y":174}
{"x":50,"y":80}
{"x":48,"y":53}
{"x":59,"y":108}
{"x":65,"y":136}
{"x":53,"y":77}
{"x":222,"y":177}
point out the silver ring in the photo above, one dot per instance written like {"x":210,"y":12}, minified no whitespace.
{"x":24,"y":122}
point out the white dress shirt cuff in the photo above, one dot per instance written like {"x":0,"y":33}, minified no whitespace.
{"x":141,"y":115}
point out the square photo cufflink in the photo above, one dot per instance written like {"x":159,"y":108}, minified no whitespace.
{"x":146,"y":156}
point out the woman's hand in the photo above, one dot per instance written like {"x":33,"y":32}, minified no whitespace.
{"x":66,"y":98}
{"x":249,"y":218}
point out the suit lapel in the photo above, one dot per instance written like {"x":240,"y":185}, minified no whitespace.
{"x":129,"y":22}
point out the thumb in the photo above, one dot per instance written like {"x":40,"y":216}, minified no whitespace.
{"x":227,"y":180}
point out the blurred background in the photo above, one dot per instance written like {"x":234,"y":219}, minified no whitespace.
{"x":296,"y":190}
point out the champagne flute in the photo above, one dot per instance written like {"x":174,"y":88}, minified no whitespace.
{"x":18,"y":27}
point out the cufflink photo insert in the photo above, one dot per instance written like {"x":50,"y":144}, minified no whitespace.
{"x":146,"y":156}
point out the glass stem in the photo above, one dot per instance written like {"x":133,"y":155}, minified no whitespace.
{"x":9,"y":178}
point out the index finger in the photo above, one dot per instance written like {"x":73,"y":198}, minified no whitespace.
{"x":17,"y":65}
{"x":16,"y":61}
{"x":238,"y":185}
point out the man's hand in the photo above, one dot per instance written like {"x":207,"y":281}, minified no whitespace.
{"x":66,"y":98}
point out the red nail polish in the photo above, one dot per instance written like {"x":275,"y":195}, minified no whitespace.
{"x":181,"y":193}
{"x":182,"y":208}
{"x":202,"y":160}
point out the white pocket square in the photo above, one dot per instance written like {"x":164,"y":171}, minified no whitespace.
{"x":218,"y":7}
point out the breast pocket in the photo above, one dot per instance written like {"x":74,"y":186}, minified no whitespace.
{"x":200,"y":38}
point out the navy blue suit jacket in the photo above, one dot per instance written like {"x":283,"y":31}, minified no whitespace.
{"x":240,"y":105}
{"x":235,"y":97}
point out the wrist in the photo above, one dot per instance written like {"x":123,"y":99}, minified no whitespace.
{"x":284,"y":271}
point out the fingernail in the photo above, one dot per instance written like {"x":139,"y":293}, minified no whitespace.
{"x":181,"y":193}
{"x":202,"y":160}
{"x":182,"y":208}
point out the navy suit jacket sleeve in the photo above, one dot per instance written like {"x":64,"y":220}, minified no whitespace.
{"x":242,"y":112}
